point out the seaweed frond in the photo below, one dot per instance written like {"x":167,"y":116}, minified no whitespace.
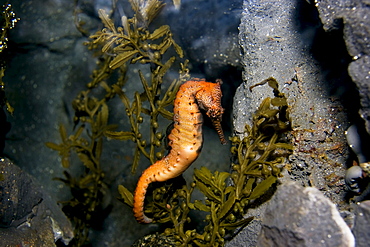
{"x":88,"y":190}
{"x":146,"y":10}
{"x":8,"y":22}
{"x":135,"y":44}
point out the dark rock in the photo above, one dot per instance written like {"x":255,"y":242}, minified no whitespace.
{"x":28,"y":215}
{"x":297,"y":216}
{"x":362,"y":223}
{"x":211,"y":44}
{"x":359,"y":71}
{"x":4,"y":129}
{"x":353,"y":19}
{"x":47,"y":64}
{"x":19,"y":195}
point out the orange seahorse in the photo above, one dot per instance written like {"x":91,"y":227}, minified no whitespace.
{"x":185,"y":138}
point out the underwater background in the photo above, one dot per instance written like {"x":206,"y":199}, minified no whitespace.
{"x":54,"y":67}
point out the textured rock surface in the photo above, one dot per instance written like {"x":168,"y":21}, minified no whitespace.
{"x":297,"y":216}
{"x":48,"y":66}
{"x":278,"y":44}
{"x":29,"y":217}
{"x":211,"y":43}
{"x":353,"y":18}
{"x":362,"y":223}
{"x":285,"y":39}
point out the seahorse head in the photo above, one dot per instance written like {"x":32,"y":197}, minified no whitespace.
{"x":209,"y":99}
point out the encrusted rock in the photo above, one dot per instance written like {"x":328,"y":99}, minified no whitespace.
{"x":284,"y":39}
{"x":297,"y":216}
{"x":362,"y":223}
{"x":359,"y":71}
{"x":353,"y":17}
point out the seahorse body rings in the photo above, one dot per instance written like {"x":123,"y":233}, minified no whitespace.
{"x":185,"y":138}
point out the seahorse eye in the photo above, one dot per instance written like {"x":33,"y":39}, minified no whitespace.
{"x":214,"y":112}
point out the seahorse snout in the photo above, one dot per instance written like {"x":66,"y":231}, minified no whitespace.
{"x":217,"y":125}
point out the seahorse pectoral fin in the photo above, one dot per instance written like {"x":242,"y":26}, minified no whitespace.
{"x":217,"y":125}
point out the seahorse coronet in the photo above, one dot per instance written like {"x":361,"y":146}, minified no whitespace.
{"x":185,"y":138}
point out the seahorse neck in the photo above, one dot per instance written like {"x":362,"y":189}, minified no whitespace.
{"x":186,"y":98}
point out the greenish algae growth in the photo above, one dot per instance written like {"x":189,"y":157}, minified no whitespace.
{"x":7,"y":22}
{"x":258,"y":160}
{"x":117,"y":48}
